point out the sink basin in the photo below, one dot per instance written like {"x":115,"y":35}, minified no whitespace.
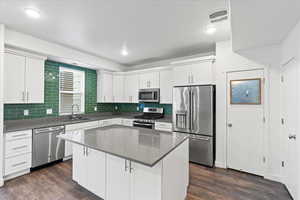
{"x":75,"y":119}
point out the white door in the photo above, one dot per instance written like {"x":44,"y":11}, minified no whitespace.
{"x":14,"y":78}
{"x":166,"y":86}
{"x":118,"y":88}
{"x":245,"y":129}
{"x":96,"y":174}
{"x":34,"y":80}
{"x":289,"y":106}
{"x":118,"y":180}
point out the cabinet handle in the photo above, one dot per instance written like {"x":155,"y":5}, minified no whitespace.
{"x":130,"y":168}
{"x":21,"y":163}
{"x":87,"y":151}
{"x":19,"y":135}
{"x":20,"y":147}
{"x":27,"y":96}
{"x":126,"y":167}
{"x":23,"y":96}
{"x":84,"y":151}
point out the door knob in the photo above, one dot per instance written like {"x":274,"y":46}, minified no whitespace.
{"x":229,"y":125}
{"x":292,"y":137}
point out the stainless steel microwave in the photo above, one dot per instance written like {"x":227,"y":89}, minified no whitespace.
{"x":149,"y":95}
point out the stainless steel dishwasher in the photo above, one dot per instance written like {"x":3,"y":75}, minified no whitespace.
{"x":46,"y":147}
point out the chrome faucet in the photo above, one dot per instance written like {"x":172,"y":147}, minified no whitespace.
{"x":73,"y":115}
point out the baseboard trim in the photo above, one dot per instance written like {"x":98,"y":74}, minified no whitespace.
{"x":14,"y":175}
{"x":220,"y":165}
{"x":273,"y":177}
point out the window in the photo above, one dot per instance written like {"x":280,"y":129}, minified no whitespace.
{"x":71,"y":91}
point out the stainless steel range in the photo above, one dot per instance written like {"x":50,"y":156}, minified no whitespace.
{"x":147,"y":119}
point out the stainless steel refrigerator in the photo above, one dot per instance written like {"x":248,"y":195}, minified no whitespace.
{"x":193,"y":113}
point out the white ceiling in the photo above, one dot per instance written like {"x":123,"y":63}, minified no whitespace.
{"x":152,"y":29}
{"x":257,"y":23}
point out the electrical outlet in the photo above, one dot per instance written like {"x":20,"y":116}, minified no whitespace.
{"x":26,"y":112}
{"x":95,"y":108}
{"x":137,"y":108}
{"x":49,"y":111}
{"x":116,"y":108}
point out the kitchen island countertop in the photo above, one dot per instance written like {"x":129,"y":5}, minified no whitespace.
{"x":144,"y":146}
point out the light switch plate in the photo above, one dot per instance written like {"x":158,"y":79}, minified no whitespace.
{"x":49,"y":111}
{"x":26,"y":112}
{"x":95,"y":108}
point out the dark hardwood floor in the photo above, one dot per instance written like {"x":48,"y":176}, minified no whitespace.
{"x":55,"y":183}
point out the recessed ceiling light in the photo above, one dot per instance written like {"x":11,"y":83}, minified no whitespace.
{"x":210,"y":29}
{"x":124,"y":51}
{"x":33,"y":13}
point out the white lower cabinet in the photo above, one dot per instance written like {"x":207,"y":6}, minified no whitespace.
{"x":118,"y":179}
{"x":163,"y":126}
{"x":17,"y":153}
{"x":89,"y":169}
{"x":72,"y":127}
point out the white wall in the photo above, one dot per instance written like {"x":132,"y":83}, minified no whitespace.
{"x":291,"y":49}
{"x":2,"y":28}
{"x":226,"y":61}
{"x":58,"y":52}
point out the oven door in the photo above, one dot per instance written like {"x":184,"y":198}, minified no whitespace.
{"x":143,"y":125}
{"x":149,"y":95}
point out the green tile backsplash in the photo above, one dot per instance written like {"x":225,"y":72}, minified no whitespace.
{"x":15,"y":111}
{"x":132,"y":107}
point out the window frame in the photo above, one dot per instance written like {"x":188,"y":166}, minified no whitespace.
{"x":82,"y":92}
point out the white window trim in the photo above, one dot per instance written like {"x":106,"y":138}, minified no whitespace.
{"x":83,"y":91}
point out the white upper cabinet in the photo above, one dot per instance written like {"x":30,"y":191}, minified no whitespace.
{"x":34,"y":80}
{"x":105,"y":87}
{"x":200,"y":73}
{"x":131,"y":88}
{"x":14,"y":78}
{"x":166,"y":86}
{"x":23,"y":78}
{"x":118,"y":88}
{"x":149,"y":80}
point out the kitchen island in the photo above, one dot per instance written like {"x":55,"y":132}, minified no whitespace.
{"x":129,"y":163}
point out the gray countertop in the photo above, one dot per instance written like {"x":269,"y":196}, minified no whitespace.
{"x":144,"y":146}
{"x":19,"y":125}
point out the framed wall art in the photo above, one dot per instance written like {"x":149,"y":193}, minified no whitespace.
{"x":245,"y":91}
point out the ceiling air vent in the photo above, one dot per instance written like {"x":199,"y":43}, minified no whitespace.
{"x":218,"y":16}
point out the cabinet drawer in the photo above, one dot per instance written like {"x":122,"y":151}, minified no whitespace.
{"x":84,"y":125}
{"x":18,"y":135}
{"x":162,"y":126}
{"x":16,"y":147}
{"x":127,"y":122}
{"x":107,"y":122}
{"x":17,"y":163}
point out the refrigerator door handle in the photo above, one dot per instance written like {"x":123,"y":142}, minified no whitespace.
{"x":192,"y":110}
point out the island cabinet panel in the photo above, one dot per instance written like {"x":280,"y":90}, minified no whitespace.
{"x":96,"y":173}
{"x":89,"y":169}
{"x":146,"y":182}
{"x":118,"y":178}
{"x":176,"y":173}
